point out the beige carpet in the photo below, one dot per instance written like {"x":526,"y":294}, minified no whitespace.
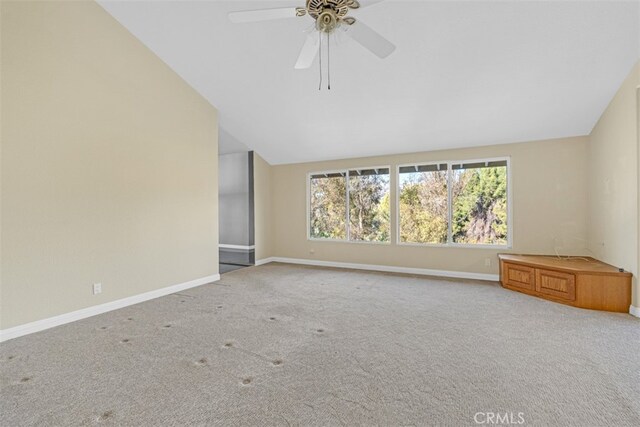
{"x":291,"y":345}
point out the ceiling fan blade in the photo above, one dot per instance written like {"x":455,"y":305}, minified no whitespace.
{"x":309,"y":52}
{"x":370,"y":39}
{"x":262,"y":14}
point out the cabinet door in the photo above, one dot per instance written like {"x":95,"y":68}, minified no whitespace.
{"x":519,"y":276}
{"x":556,"y":284}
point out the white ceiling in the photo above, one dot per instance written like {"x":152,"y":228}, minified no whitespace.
{"x":228,"y":144}
{"x":464,"y":73}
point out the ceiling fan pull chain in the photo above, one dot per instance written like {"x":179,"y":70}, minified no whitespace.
{"x":328,"y":63}
{"x":320,"y":59}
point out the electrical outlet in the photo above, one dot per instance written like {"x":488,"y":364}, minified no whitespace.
{"x":97,"y":288}
{"x":312,"y":251}
{"x":487,"y":262}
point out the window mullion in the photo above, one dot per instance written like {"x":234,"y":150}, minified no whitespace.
{"x":348,"y":188}
{"x":449,"y":205}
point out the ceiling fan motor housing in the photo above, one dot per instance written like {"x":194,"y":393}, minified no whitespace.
{"x":329,"y":13}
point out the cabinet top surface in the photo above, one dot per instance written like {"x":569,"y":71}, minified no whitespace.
{"x":577,"y":264}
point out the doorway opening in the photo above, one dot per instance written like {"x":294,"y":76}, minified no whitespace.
{"x":236,"y":248}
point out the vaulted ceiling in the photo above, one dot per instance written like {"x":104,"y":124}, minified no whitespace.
{"x":463,"y":74}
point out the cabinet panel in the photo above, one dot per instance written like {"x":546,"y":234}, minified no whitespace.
{"x":556,"y":284}
{"x":519,"y":276}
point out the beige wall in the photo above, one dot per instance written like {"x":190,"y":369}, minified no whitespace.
{"x":549,"y":208}
{"x":1,"y":139}
{"x":109,"y":165}
{"x":262,"y":190}
{"x":613,"y":182}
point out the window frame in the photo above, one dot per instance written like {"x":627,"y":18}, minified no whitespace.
{"x":347,"y":239}
{"x":450,"y":243}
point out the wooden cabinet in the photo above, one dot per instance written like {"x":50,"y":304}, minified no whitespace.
{"x":556,"y":284}
{"x":579,"y":281}
{"x":519,"y":276}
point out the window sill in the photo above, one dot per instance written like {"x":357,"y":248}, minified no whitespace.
{"x":357,"y":242}
{"x":454,"y":245}
{"x":417,"y":245}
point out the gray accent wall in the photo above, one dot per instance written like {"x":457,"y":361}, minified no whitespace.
{"x":236,"y":199}
{"x":251,"y":210}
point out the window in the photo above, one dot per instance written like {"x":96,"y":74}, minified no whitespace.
{"x":479,"y":203}
{"x":423,"y":204}
{"x":369,"y":205}
{"x":445,"y":203}
{"x":366,"y":194}
{"x":454,"y":203}
{"x":328,"y":209}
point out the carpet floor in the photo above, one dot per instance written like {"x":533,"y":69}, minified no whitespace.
{"x":227,"y":268}
{"x":292,"y":345}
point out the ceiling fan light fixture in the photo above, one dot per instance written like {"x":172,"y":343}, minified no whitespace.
{"x":327,"y":21}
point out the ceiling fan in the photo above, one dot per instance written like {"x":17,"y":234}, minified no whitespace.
{"x":330,"y":16}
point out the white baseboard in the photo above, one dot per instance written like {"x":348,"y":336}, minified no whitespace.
{"x":238,"y":247}
{"x":41,"y":325}
{"x":634,"y":311}
{"x":385,"y":268}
